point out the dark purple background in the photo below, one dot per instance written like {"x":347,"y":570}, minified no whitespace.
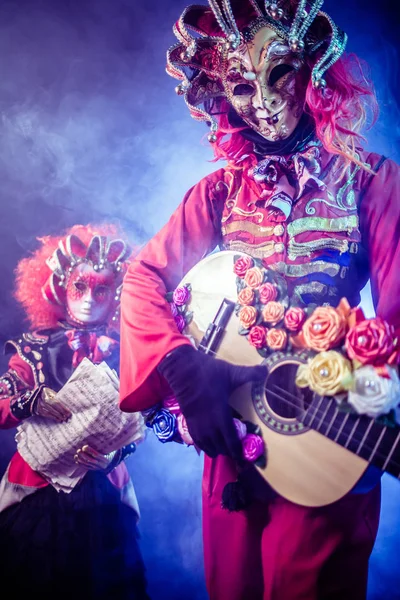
{"x":91,"y":130}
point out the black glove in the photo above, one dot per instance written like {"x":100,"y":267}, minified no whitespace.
{"x":203,"y":385}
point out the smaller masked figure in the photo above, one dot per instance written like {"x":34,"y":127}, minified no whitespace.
{"x":82,"y":543}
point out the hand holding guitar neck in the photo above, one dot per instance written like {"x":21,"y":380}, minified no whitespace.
{"x":202,"y":385}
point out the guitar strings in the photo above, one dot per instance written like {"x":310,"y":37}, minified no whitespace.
{"x":319,"y":412}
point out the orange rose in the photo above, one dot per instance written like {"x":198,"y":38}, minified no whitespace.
{"x":247,"y":316}
{"x":273,"y":312}
{"x":276,"y":339}
{"x":254,"y":277}
{"x":246,"y":296}
{"x":324,"y":329}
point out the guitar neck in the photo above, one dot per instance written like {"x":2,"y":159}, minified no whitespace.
{"x":377,"y":443}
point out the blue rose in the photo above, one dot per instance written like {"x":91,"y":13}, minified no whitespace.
{"x":164,"y":425}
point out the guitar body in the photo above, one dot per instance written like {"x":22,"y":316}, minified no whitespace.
{"x":301,"y":464}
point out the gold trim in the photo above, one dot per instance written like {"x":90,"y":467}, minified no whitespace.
{"x":296,"y":249}
{"x":256,"y":250}
{"x":322,"y":224}
{"x":319,"y":266}
{"x":252,"y":228}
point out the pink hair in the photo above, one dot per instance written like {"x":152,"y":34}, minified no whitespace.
{"x":339,"y":112}
{"x":32,"y":274}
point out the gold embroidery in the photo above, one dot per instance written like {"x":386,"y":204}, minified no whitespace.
{"x":322,"y":224}
{"x":315,"y":287}
{"x":307,"y":248}
{"x":264,"y":250}
{"x":252,"y":228}
{"x":319,"y":266}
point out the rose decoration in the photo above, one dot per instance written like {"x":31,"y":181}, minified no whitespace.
{"x":257,"y":336}
{"x":294,"y":318}
{"x":181,"y":295}
{"x":324,"y":329}
{"x":170,"y":403}
{"x":253,"y":447}
{"x":240,"y":428}
{"x":183,"y":430}
{"x":164,"y":425}
{"x":180,"y":322}
{"x":247,"y":316}
{"x":267,"y":292}
{"x":254,"y":277}
{"x":273,"y":313}
{"x":373,"y":395}
{"x":242,"y":265}
{"x":246,"y":296}
{"x":326,"y":374}
{"x":174,"y":309}
{"x":371,"y":341}
{"x":276,"y":339}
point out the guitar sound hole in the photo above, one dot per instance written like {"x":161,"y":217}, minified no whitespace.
{"x":283,"y":396}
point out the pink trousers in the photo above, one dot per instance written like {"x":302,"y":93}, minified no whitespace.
{"x":276,"y":550}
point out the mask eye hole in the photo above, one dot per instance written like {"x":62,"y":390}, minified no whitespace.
{"x":243,"y":89}
{"x":278,"y":72}
{"x":80,"y":286}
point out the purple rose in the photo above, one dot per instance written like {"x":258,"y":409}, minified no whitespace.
{"x":240,"y":428}
{"x":253,"y":447}
{"x":181,"y":295}
{"x":174,"y":309}
{"x":164,"y":425}
{"x":172,"y":405}
{"x":180,"y":322}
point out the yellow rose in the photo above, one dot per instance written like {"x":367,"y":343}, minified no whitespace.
{"x":326,"y":374}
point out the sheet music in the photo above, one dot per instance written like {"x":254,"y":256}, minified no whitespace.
{"x":91,"y":393}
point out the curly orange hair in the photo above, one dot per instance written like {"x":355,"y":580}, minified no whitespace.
{"x":32,"y":273}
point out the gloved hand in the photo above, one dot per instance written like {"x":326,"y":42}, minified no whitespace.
{"x":41,"y":401}
{"x":203,"y":385}
{"x":92,"y":460}
{"x":47,"y":405}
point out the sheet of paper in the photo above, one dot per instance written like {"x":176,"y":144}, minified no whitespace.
{"x":91,"y":394}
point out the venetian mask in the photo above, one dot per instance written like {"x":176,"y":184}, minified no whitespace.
{"x":90,"y":294}
{"x":266,"y":84}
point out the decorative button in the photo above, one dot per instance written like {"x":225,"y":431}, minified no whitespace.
{"x":279,"y":230}
{"x":279,"y":247}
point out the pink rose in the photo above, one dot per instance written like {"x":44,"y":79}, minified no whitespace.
{"x":253,"y":447}
{"x":183,"y":430}
{"x":273,"y":312}
{"x":276,"y":339}
{"x":180,"y":322}
{"x":254,"y":277}
{"x":240,"y":428}
{"x":294,"y":318}
{"x":181,"y":295}
{"x":171,"y":404}
{"x":247,"y":316}
{"x":371,"y":341}
{"x":257,"y":336}
{"x":246,"y":296}
{"x":268,"y":292}
{"x":242,"y":265}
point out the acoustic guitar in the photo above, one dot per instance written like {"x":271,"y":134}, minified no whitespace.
{"x":315,"y":452}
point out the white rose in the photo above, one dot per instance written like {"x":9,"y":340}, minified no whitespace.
{"x":373,"y":395}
